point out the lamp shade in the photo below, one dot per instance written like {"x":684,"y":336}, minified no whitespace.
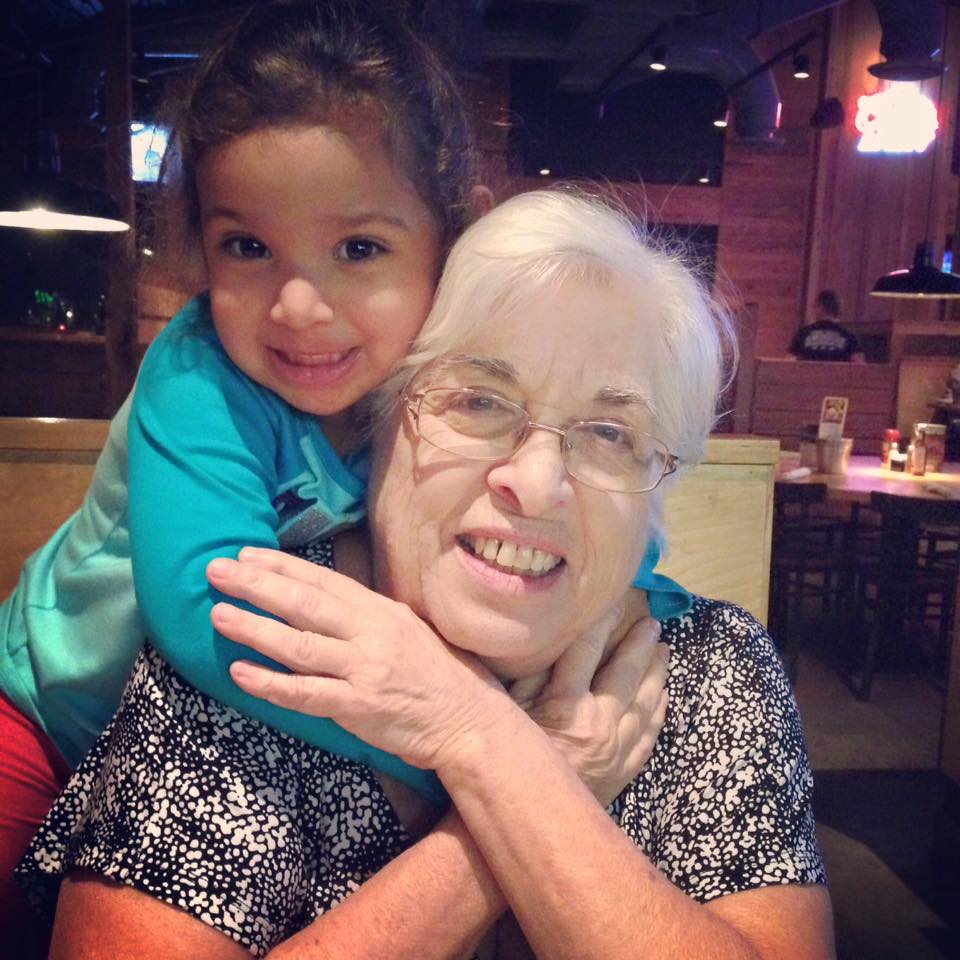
{"x":922,"y":280}
{"x":53,"y":203}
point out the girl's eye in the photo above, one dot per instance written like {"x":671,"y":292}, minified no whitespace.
{"x":359,"y":248}
{"x":246,"y":248}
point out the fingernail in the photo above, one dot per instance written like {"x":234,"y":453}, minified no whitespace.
{"x":249,"y":553}
{"x":219,"y":567}
{"x":663,"y":651}
{"x":240,"y":671}
{"x":221,"y":613}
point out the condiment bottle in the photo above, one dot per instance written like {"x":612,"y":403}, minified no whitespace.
{"x":918,"y":462}
{"x":898,"y":460}
{"x":890,"y":438}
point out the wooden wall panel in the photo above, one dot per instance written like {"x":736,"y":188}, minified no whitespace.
{"x":869,"y":211}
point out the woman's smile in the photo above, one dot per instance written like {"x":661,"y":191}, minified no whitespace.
{"x":505,"y":565}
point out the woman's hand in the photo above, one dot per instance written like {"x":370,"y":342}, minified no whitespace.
{"x":366,"y":661}
{"x":604,"y":717}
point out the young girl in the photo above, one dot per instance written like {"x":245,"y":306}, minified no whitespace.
{"x":325,"y":164}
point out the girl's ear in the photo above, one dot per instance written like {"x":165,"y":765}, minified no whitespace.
{"x":481,"y":201}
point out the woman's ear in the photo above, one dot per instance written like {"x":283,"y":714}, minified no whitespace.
{"x":482,"y":201}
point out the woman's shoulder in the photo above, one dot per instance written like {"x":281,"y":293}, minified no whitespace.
{"x":716,"y":638}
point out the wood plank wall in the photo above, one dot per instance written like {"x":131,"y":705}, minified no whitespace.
{"x":869,"y":211}
{"x":761,"y":208}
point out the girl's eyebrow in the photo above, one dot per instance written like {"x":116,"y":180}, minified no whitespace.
{"x":374,"y":217}
{"x":352,"y":221}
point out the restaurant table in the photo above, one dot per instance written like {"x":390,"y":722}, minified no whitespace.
{"x":866,"y":475}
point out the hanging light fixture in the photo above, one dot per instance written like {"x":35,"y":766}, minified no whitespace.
{"x":52,"y":203}
{"x":923,"y":280}
{"x":801,"y":66}
{"x":658,"y":59}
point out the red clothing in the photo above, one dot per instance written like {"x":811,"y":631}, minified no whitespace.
{"x":32,"y":773}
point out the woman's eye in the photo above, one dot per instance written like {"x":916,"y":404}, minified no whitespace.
{"x":480,"y":403}
{"x":246,"y":248}
{"x":359,"y":248}
{"x":611,"y":434}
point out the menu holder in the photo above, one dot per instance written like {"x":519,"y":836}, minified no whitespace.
{"x":833,"y":415}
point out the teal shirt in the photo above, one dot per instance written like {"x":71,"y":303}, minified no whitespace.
{"x":218,"y":462}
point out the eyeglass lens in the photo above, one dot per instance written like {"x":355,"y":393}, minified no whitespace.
{"x":480,"y":425}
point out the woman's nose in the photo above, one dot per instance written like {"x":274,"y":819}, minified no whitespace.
{"x":301,"y":304}
{"x":534,"y":480}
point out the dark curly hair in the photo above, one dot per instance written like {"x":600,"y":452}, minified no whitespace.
{"x":304,"y":62}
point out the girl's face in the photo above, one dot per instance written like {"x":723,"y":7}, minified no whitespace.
{"x":321,"y":260}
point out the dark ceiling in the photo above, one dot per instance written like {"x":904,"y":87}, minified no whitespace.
{"x":570,"y":59}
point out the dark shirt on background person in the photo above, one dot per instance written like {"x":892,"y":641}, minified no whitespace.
{"x":824,"y":340}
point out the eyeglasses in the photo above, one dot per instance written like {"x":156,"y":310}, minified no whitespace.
{"x":480,"y":425}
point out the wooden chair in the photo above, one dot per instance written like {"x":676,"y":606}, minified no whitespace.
{"x":809,"y":570}
{"x":906,"y":561}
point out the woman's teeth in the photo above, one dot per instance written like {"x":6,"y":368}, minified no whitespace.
{"x":510,"y":556}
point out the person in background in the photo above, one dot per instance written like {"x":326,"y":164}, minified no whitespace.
{"x":826,"y":338}
{"x":520,"y":454}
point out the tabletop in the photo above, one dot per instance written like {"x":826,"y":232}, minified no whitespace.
{"x":866,"y":475}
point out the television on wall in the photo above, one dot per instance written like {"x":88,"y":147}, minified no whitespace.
{"x":148,"y":143}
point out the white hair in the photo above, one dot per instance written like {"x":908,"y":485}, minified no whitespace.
{"x":536,"y":241}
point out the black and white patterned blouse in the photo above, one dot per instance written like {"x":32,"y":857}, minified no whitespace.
{"x":256,"y":833}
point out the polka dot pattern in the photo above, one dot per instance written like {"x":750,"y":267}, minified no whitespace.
{"x":256,"y":833}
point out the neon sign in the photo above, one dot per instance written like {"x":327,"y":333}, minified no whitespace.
{"x":900,"y":119}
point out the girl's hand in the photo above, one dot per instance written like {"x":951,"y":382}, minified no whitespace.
{"x":604,"y":717}
{"x":365,"y":661}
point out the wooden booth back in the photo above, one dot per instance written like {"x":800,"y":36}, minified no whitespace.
{"x":718,"y":516}
{"x":787,"y":394}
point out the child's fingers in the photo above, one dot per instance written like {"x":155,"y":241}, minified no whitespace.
{"x":574,"y":671}
{"x":620,"y":678}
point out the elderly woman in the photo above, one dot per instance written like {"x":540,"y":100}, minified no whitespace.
{"x":566,"y":369}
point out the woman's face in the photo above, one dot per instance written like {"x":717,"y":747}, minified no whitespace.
{"x":572,"y":354}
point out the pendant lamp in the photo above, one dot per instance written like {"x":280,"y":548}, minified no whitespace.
{"x":923,"y":280}
{"x":50,"y":202}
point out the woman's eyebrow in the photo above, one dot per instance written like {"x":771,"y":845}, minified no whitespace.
{"x":624,"y":397}
{"x":491,"y":366}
